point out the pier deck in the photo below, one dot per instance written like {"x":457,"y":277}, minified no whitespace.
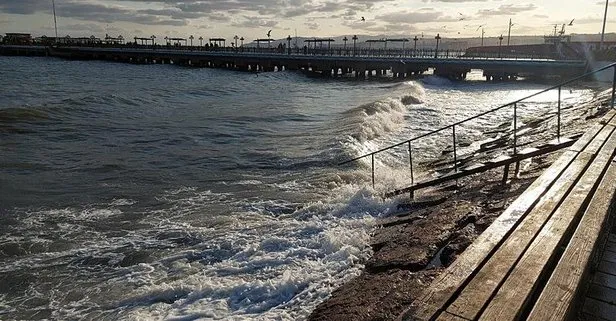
{"x":534,"y":262}
{"x":327,"y":64}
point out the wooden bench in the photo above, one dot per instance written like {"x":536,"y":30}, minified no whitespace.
{"x":533,"y":262}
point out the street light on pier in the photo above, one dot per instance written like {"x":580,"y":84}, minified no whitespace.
{"x":289,"y":44}
{"x":603,"y":29}
{"x":345,"y":39}
{"x":200,"y":41}
{"x":166,"y":40}
{"x":242,"y":41}
{"x":191,"y":39}
{"x":153,"y":37}
{"x":415,"y":45}
{"x":236,"y":38}
{"x":438,"y":39}
{"x":500,"y":43}
{"x":354,"y":44}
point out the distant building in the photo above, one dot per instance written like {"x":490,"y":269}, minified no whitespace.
{"x":17,"y":39}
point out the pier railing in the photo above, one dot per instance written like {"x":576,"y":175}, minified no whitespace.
{"x":514,"y":105}
{"x":348,"y":51}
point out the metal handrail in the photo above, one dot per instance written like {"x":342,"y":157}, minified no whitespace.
{"x":515,"y":106}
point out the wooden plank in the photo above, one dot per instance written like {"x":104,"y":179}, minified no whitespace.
{"x":511,"y":298}
{"x":599,"y":140}
{"x":450,"y":317}
{"x":610,"y":247}
{"x":602,"y":293}
{"x":566,"y":284}
{"x":600,"y":309}
{"x":445,"y":286}
{"x":481,"y":288}
{"x":588,"y":317}
{"x":581,"y":143}
{"x":606,"y":280}
{"x":609,"y":256}
{"x":607,"y":267}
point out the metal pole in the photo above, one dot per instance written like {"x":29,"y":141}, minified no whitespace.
{"x":509,"y":33}
{"x":372,"y":170}
{"x":613,"y":87}
{"x":411,"y":164}
{"x":455,"y":151}
{"x":55,"y":21}
{"x":558,"y":129}
{"x":515,"y":128}
{"x":604,"y":21}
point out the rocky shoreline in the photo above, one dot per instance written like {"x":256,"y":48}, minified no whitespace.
{"x":412,"y":248}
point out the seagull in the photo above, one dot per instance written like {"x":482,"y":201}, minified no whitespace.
{"x":571,"y":23}
{"x":269,"y":33}
{"x":363,"y":19}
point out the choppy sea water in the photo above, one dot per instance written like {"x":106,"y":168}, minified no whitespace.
{"x":160,"y":192}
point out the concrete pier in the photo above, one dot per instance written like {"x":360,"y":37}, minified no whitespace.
{"x":317,"y":65}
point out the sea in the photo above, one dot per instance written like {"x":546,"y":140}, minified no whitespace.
{"x":159,"y":192}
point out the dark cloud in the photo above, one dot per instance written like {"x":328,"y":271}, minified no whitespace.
{"x":179,"y":12}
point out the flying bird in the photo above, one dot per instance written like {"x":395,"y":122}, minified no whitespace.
{"x":363,"y":19}
{"x":269,"y":33}
{"x":571,"y":23}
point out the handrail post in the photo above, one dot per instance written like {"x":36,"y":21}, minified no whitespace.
{"x":614,"y":86}
{"x":373,"y":170}
{"x":558,"y":115}
{"x":455,"y":152}
{"x":515,"y":128}
{"x":411,"y":163}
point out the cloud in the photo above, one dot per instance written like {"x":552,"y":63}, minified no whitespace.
{"x":254,"y":22}
{"x":507,"y":9}
{"x":312,"y":25}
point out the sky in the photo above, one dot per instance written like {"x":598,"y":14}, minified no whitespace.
{"x":252,"y":19}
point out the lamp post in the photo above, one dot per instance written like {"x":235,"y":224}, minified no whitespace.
{"x":289,"y":44}
{"x":438,"y":39}
{"x":415,"y":45}
{"x":121,"y":39}
{"x":166,"y":40}
{"x":603,"y":29}
{"x":509,"y":32}
{"x":354,"y":44}
{"x":242,"y":41}
{"x":152,"y":37}
{"x":200,"y":41}
{"x":500,"y":43}
{"x":55,"y":21}
{"x":345,"y":39}
{"x":191,"y":39}
{"x":483,"y":32}
{"x":235,"y":38}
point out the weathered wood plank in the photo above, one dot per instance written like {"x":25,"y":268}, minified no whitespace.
{"x":481,"y":288}
{"x":566,"y":284}
{"x":610,"y":248}
{"x":600,"y":309}
{"x":581,"y":143}
{"x":443,"y":287}
{"x":450,"y":317}
{"x":602,"y":293}
{"x":513,"y":295}
{"x":587,"y":317}
{"x":606,"y":280}
{"x":609,"y":256}
{"x":607,"y":267}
